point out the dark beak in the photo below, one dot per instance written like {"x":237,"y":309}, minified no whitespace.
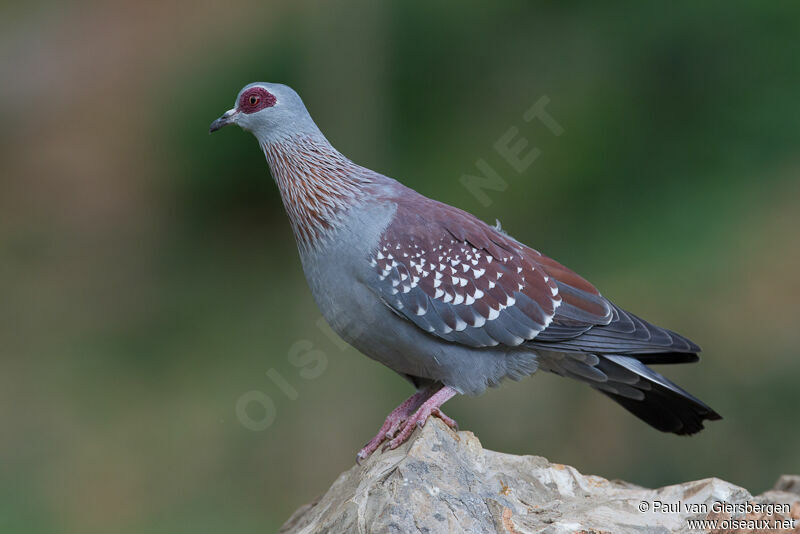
{"x":226,"y":119}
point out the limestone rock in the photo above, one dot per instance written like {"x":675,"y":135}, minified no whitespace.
{"x":441,"y":482}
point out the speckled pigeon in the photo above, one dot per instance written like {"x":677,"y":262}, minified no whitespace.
{"x":450,"y":303}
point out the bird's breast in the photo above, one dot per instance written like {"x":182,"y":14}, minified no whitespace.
{"x":338,"y":265}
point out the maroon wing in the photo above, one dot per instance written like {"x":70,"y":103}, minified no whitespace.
{"x":466,"y":282}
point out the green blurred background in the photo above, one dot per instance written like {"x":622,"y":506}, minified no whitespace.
{"x":149,"y":279}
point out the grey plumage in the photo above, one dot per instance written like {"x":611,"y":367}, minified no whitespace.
{"x":443,"y":298}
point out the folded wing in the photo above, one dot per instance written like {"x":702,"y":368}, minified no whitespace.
{"x":466,"y":282}
{"x":461,"y":280}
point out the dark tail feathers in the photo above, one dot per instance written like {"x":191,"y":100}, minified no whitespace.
{"x":650,"y":396}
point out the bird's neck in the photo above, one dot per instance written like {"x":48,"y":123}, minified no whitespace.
{"x":318,"y":185}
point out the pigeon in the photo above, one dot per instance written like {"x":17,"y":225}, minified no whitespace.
{"x":452,"y":304}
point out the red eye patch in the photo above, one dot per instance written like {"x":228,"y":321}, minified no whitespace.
{"x":256,"y":99}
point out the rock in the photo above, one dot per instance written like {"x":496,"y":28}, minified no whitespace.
{"x":441,"y":482}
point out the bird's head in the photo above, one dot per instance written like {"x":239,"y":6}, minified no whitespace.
{"x":270,"y":111}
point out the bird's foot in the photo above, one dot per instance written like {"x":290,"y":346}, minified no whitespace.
{"x":388,"y":430}
{"x":432,"y":406}
{"x":447,"y":420}
{"x":393,"y":422}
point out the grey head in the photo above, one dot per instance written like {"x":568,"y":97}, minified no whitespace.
{"x":270,"y":111}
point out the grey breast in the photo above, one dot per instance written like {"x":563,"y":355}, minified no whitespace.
{"x":337,"y":271}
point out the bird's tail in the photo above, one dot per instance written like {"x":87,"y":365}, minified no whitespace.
{"x":650,"y":396}
{"x":645,"y":393}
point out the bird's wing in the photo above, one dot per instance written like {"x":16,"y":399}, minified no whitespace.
{"x":623,"y":333}
{"x":469,"y":283}
{"x":466,"y":282}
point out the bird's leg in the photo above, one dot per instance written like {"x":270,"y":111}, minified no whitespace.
{"x":394,"y":420}
{"x":430,"y":407}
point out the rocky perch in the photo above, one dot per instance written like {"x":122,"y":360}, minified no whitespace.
{"x":442,"y":481}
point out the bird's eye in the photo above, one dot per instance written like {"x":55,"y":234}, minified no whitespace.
{"x":255,"y":99}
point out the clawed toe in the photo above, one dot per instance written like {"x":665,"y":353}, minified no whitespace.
{"x":390,"y":434}
{"x":447,"y":420}
{"x":400,"y":424}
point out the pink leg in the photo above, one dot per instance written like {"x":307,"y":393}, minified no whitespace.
{"x":428,"y":408}
{"x":393,"y":422}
